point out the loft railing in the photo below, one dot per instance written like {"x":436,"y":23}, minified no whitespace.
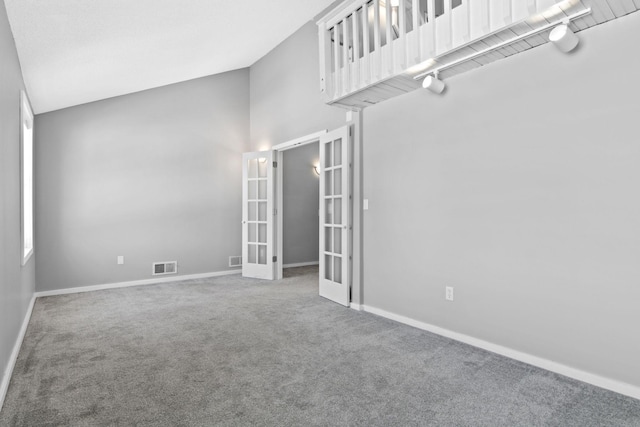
{"x":364,"y":42}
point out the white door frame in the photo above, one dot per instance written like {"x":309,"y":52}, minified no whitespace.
{"x":354,"y":118}
{"x":279,"y":155}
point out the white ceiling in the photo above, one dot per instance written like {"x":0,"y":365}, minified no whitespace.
{"x":78,"y":51}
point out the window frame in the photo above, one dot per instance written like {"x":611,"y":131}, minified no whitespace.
{"x":27,"y":241}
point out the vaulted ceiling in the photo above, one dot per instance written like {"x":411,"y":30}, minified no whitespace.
{"x":78,"y":51}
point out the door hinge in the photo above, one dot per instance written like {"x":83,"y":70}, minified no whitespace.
{"x":275,"y":212}
{"x":275,"y":259}
{"x":275,"y":164}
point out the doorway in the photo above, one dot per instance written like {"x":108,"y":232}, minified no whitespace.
{"x":334,"y":209}
{"x":301,"y":204}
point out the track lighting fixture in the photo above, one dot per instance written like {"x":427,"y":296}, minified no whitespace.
{"x":433,"y":83}
{"x":564,"y":38}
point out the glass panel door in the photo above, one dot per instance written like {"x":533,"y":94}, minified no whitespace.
{"x":335,"y":216}
{"x":257,"y":215}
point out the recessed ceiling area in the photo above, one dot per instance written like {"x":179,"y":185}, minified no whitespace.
{"x":76,"y":51}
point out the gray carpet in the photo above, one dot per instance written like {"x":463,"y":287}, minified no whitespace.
{"x":240,"y":352}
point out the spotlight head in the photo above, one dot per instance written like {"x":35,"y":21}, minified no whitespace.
{"x":433,"y":84}
{"x":564,"y":38}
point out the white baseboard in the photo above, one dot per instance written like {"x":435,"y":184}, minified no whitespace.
{"x":558,"y":368}
{"x":136,"y":283}
{"x":300,"y":264}
{"x":357,"y":307}
{"x":4,"y":385}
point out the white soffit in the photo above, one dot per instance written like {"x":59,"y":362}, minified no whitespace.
{"x":78,"y":51}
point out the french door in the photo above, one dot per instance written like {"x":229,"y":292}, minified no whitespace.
{"x":335,"y":215}
{"x":257,"y":215}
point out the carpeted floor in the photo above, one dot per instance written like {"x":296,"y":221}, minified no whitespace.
{"x":239,"y":352}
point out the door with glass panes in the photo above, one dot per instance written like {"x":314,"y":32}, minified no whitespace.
{"x":335,"y":215}
{"x":257,"y":215}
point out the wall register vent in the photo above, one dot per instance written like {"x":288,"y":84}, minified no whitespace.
{"x":235,"y":261}
{"x":160,"y":268}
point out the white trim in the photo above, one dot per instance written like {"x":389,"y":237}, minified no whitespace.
{"x":301,"y":264}
{"x":303,"y":140}
{"x":8,"y":372}
{"x":135,"y":283}
{"x":279,"y":196}
{"x":558,"y":368}
{"x":357,"y":307}
{"x":279,"y":191}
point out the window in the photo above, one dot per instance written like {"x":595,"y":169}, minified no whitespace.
{"x":26,"y":136}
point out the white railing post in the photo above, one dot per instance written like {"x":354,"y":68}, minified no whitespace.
{"x":376,"y":66}
{"x":366,"y":59}
{"x":413,"y":40}
{"x":400,"y":44}
{"x":337,"y":80}
{"x":325,"y":61}
{"x":388,"y":48}
{"x":356,"y":79}
{"x":346,"y":80}
{"x":428,"y":33}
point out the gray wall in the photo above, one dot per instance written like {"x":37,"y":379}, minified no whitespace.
{"x":301,"y":199}
{"x":519,"y":187}
{"x":16,"y":282}
{"x":285,"y":93}
{"x":153,"y":176}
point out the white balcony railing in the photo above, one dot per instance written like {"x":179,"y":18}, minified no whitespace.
{"x":365,"y":42}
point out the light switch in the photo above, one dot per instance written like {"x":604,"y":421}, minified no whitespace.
{"x":120,"y":259}
{"x":365,"y":205}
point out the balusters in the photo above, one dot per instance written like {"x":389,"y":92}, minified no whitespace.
{"x":428,"y":31}
{"x":413,"y":41}
{"x":324,"y":39}
{"x":337,"y":78}
{"x":365,"y":68}
{"x":387,"y":51}
{"x":400,"y":44}
{"x":377,"y":43}
{"x":346,"y":87}
{"x":355,"y":51}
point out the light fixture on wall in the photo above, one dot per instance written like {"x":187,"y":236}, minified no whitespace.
{"x":564,"y":38}
{"x":316,"y":169}
{"x":433,"y":83}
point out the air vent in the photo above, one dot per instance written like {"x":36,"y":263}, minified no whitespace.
{"x":235,"y":261}
{"x":170,"y":267}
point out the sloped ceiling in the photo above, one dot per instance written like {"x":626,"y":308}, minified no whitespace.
{"x":78,"y":51}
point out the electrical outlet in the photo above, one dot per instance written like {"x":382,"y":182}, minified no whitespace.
{"x":120,"y":259}
{"x":449,"y":293}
